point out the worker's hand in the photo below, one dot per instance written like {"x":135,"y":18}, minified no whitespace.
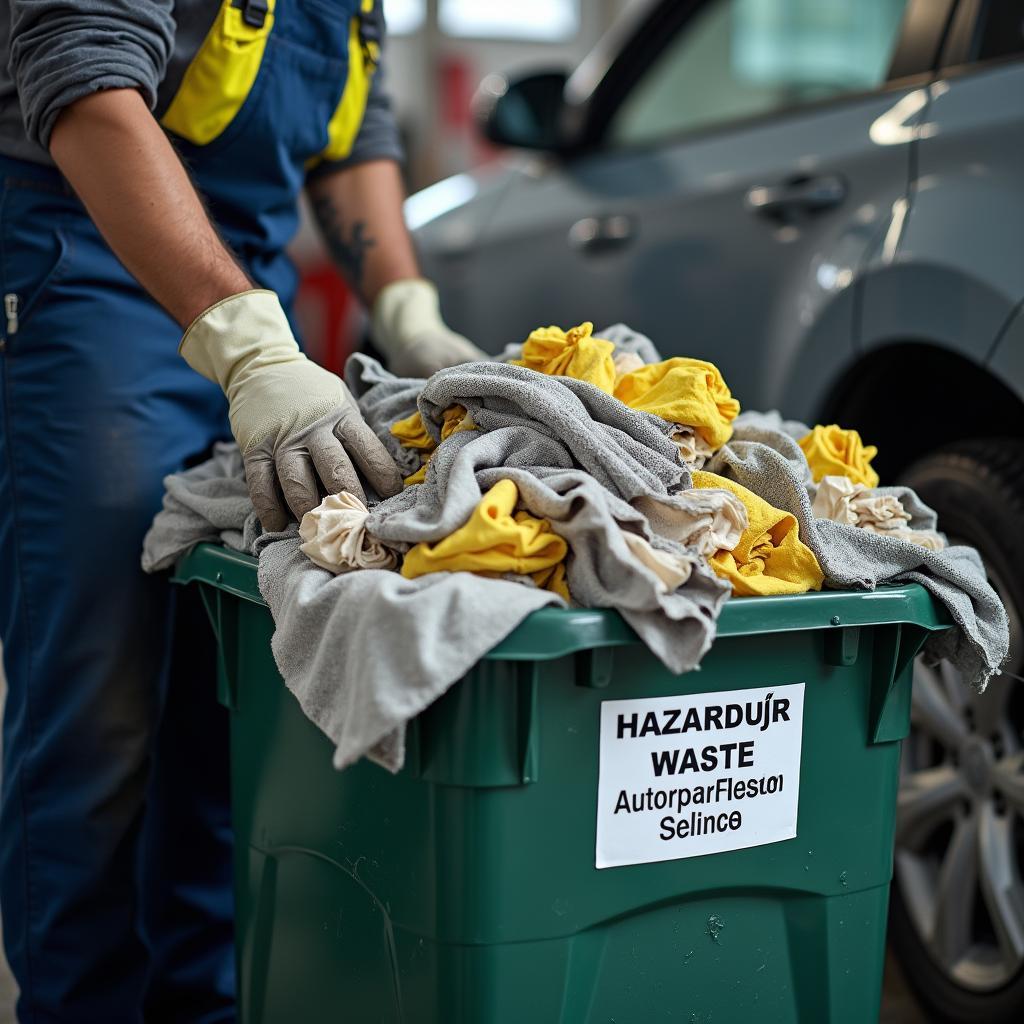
{"x":298,"y":426}
{"x":408,"y":329}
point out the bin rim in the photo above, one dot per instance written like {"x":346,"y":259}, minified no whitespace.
{"x":555,"y":632}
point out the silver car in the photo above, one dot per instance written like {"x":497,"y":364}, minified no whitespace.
{"x":825,"y":198}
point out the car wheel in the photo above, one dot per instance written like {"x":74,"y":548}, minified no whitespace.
{"x":957,"y":917}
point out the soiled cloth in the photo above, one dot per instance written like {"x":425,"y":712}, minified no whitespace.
{"x":833,"y":451}
{"x":673,"y":568}
{"x":840,"y":499}
{"x":706,"y":520}
{"x":626,"y":362}
{"x":496,"y":539}
{"x":694,"y":451}
{"x":334,"y":537}
{"x":411,"y":433}
{"x":764,"y":457}
{"x":394,"y":399}
{"x":574,"y":353}
{"x":365,"y":652}
{"x":929,"y":539}
{"x":563,"y":423}
{"x":688,"y":392}
{"x":630,"y":342}
{"x":769,"y":557}
{"x":208,"y":503}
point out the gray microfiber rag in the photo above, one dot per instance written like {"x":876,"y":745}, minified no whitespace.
{"x":764,"y":457}
{"x":367,"y":651}
{"x":385,"y":399}
{"x":208,"y":503}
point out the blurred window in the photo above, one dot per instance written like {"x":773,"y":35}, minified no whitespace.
{"x":543,"y":21}
{"x":1000,"y":30}
{"x":404,"y":16}
{"x":740,"y":58}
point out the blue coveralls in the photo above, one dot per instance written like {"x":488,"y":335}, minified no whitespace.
{"x":115,"y":844}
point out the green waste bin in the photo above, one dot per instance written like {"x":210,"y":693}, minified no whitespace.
{"x":465,"y":889}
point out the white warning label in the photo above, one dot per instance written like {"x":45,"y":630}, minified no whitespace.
{"x":699,"y":773}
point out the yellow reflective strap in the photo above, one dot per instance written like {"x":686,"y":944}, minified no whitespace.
{"x":348,"y":115}
{"x":220,"y":76}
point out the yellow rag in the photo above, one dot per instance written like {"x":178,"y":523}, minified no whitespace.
{"x":687,"y":391}
{"x":455,"y":419}
{"x":574,"y":354}
{"x":833,"y":451}
{"x":419,"y":476}
{"x":770,"y":558}
{"x":413,"y":434}
{"x":496,"y":540}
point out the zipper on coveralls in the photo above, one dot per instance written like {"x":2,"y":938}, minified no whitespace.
{"x":11,"y":312}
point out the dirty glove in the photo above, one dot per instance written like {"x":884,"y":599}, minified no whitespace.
{"x":298,"y":426}
{"x":408,"y":329}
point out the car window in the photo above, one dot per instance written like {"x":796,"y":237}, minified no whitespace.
{"x":739,"y":58}
{"x":1000,"y":30}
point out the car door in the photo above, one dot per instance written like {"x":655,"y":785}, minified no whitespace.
{"x":740,"y":157}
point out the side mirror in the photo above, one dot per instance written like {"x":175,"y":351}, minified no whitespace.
{"x":523,"y":112}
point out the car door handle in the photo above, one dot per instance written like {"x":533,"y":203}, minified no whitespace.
{"x":600,"y":234}
{"x":797,"y":196}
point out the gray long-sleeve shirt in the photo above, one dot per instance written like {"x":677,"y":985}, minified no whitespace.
{"x":53,"y":52}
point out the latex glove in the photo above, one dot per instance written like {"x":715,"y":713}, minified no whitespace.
{"x":297,"y":424}
{"x":408,"y":329}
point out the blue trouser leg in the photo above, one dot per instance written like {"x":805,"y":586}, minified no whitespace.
{"x":185,"y":863}
{"x":111,"y":743}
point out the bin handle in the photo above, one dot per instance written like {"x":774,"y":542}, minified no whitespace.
{"x":526,"y":724}
{"x":896,"y":646}
{"x":223,"y":616}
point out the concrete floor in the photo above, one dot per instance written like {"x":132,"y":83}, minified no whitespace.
{"x":897,"y":1005}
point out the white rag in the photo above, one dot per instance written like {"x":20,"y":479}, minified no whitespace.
{"x":841,"y":500}
{"x":334,"y":537}
{"x":693,"y":449}
{"x":673,"y":568}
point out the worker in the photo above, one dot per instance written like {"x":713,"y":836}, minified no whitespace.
{"x":152,"y":156}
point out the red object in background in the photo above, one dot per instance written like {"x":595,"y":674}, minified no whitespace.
{"x":457,"y":83}
{"x":326,"y":308}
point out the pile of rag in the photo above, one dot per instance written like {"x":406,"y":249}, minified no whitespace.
{"x":578,"y":469}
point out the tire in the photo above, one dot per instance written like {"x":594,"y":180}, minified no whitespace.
{"x":958,"y":944}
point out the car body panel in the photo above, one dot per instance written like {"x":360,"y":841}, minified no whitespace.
{"x":1007,"y":359}
{"x":958,"y":269}
{"x":700,"y":272}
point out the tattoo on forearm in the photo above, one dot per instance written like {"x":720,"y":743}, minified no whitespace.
{"x":347,"y":243}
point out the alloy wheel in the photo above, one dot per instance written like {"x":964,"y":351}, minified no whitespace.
{"x":960,"y":821}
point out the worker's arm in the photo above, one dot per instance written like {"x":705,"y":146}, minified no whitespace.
{"x":296,"y":423}
{"x":359,"y":211}
{"x":136,"y":190}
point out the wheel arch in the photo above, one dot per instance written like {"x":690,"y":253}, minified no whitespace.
{"x":910,"y":397}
